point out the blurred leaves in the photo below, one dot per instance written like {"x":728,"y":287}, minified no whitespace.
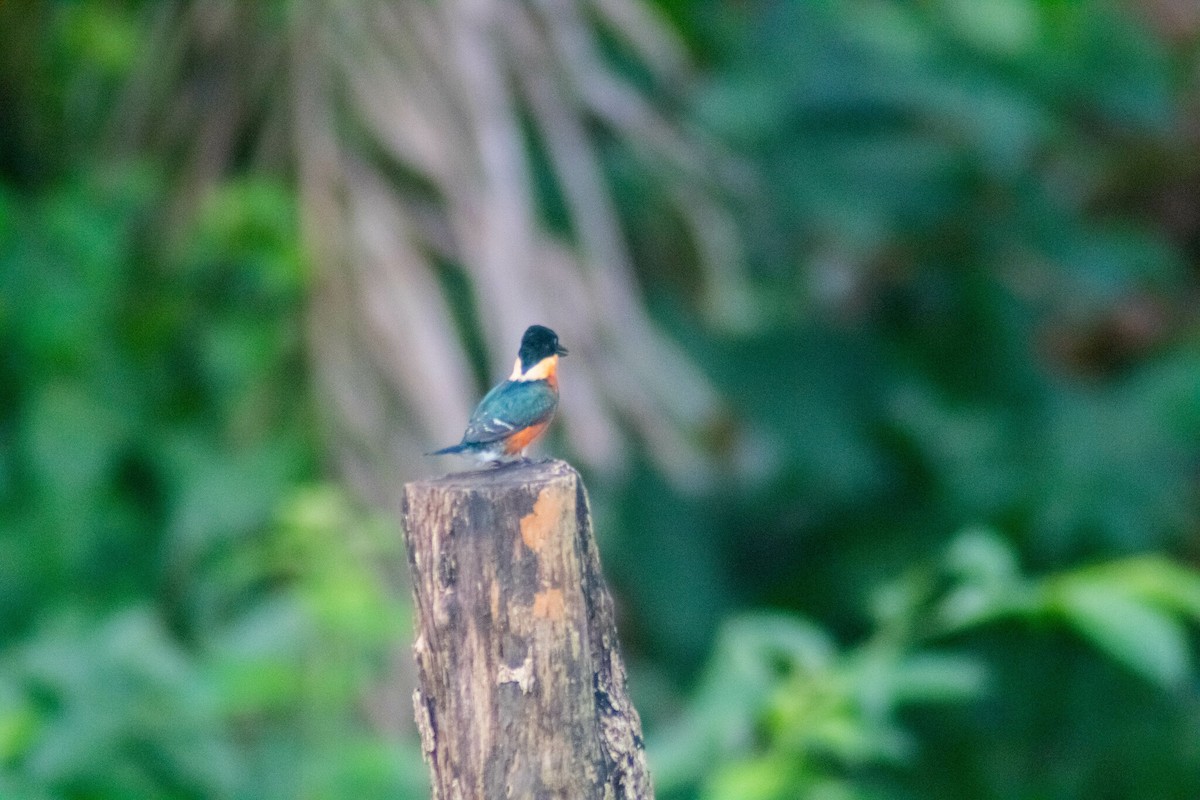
{"x":121,"y":710}
{"x":976,"y":311}
{"x":119,"y":706}
{"x":782,"y":711}
{"x":183,"y":608}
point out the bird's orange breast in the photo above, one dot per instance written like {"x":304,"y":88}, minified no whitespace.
{"x":523,"y":438}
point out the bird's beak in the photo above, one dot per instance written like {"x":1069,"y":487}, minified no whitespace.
{"x":562,"y":351}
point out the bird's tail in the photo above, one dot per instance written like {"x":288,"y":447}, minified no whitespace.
{"x":445,"y":451}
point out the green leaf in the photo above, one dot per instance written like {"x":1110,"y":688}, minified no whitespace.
{"x":1139,"y":636}
{"x":1005,"y":27}
{"x":1156,"y":580}
{"x":767,"y":778}
{"x":981,"y":555}
{"x":938,"y":677}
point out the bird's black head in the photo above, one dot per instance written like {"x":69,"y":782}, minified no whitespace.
{"x":539,"y":342}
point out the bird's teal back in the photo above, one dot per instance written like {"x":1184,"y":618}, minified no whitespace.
{"x":510,"y":406}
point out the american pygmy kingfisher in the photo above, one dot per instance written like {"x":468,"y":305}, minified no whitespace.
{"x":517,"y":411}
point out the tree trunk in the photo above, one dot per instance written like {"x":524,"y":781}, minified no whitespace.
{"x":522,"y":689}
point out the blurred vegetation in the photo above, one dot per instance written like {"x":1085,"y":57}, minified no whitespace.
{"x":187,"y":610}
{"x":956,"y":560}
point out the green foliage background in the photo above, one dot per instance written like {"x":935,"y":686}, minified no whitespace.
{"x":963,"y":565}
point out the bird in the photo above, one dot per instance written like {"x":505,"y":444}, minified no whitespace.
{"x":518,"y":410}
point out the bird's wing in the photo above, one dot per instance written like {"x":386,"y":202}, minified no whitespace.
{"x":509,"y":407}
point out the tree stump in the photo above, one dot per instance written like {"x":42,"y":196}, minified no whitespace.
{"x":521,"y":687}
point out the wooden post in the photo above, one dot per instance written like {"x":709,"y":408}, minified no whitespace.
{"x":521,"y":687}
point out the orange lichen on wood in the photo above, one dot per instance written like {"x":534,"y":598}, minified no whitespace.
{"x":546,"y":517}
{"x":549,"y":604}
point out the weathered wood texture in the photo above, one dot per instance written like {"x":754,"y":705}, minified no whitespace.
{"x":521,"y":687}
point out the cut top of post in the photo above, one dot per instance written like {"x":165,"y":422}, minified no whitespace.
{"x":508,"y":476}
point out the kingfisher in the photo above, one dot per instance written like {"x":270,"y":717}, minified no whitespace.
{"x":518,"y":410}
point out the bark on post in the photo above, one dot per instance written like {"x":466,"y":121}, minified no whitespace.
{"x":521,"y":687}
